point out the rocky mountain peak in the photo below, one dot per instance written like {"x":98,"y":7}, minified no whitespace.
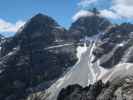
{"x":40,"y":31}
{"x":89,"y":26}
{"x":39,"y":23}
{"x":42,"y":19}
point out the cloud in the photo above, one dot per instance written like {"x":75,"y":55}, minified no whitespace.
{"x":123,"y":8}
{"x":6,"y":26}
{"x":109,"y":14}
{"x":81,"y":13}
{"x":117,"y":10}
{"x":84,"y":3}
{"x":123,"y":2}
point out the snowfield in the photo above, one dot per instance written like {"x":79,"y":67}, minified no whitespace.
{"x":84,"y":72}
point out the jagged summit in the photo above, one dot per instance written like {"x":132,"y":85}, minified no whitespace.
{"x":39,"y":22}
{"x":40,"y":15}
{"x":89,"y":26}
{"x":42,"y":29}
{"x":42,"y":19}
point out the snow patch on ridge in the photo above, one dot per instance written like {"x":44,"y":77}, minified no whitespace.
{"x":103,"y":71}
{"x":93,"y":40}
{"x":90,"y":64}
{"x":81,"y":50}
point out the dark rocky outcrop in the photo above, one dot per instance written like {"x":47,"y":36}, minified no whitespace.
{"x":36,"y":54}
{"x":118,"y":89}
{"x":76,"y":92}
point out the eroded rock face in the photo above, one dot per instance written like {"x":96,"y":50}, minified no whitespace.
{"x":118,"y":89}
{"x":115,"y":46}
{"x":38,"y":53}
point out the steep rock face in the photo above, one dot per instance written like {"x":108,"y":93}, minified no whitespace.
{"x":88,"y":26}
{"x":115,"y":46}
{"x":38,"y":53}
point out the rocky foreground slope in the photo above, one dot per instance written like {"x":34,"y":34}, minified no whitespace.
{"x":119,"y":87}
